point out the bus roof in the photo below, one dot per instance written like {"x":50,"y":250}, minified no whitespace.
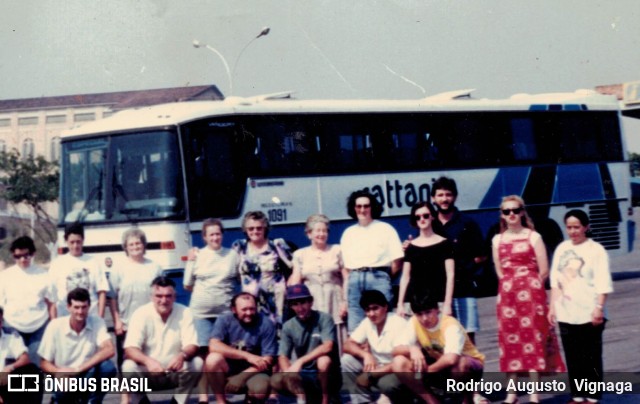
{"x":164,"y":115}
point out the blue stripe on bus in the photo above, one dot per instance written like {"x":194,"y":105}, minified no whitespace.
{"x":572,"y":107}
{"x":558,"y":107}
{"x":538,"y":107}
{"x":578,"y":182}
{"x":508,"y":181}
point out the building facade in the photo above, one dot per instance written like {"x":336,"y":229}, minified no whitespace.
{"x":33,"y":126}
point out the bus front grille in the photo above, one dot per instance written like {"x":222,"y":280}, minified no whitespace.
{"x":605,"y":228}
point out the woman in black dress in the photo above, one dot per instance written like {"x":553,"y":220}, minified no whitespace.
{"x":428,"y":262}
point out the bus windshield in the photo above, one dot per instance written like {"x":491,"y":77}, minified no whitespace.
{"x":122,"y":178}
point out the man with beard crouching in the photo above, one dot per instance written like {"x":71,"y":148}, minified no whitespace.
{"x":242,"y":349}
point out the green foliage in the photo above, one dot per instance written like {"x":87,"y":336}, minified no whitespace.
{"x":31,"y":182}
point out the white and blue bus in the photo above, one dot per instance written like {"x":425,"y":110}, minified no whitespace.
{"x":165,"y":168}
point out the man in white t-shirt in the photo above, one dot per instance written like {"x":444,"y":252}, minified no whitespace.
{"x":78,"y":345}
{"x":372,"y":253}
{"x":367,"y":371}
{"x":162,"y":340}
{"x":26,"y":296}
{"x":15,"y":360}
{"x":78,"y":270}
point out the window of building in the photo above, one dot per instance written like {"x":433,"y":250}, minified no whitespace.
{"x":28,"y":148}
{"x":85,"y":116}
{"x":28,"y":120}
{"x":54,"y":149}
{"x":3,"y":146}
{"x":4,"y":122}
{"x":56,"y":119}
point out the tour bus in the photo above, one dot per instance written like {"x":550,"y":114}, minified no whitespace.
{"x":168,"y":167}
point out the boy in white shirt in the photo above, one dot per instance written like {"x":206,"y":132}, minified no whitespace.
{"x":78,"y":270}
{"x":368,"y":371}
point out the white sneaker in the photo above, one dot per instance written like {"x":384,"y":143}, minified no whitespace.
{"x":383,"y":400}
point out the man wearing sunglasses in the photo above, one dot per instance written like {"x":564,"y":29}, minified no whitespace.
{"x":25,"y":294}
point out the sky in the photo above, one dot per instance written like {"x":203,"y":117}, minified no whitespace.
{"x":320,"y":49}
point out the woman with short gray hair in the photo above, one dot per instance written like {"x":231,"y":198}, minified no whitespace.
{"x":130,"y":279}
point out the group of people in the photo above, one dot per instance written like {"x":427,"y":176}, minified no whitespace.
{"x":264,"y":319}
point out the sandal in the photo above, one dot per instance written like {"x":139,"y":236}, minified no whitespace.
{"x":480,"y":399}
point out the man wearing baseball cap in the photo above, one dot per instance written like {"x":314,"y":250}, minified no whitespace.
{"x":308,"y":354}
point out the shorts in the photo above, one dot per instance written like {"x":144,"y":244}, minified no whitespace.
{"x":204,"y":329}
{"x":439,"y":379}
{"x":465,"y":309}
{"x":237,"y":366}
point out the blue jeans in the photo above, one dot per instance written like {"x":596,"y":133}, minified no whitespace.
{"x":360,"y":281}
{"x":31,"y":341}
{"x":204,"y":328}
{"x":104,"y":369}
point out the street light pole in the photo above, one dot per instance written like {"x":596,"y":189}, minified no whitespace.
{"x":197,"y":44}
{"x":264,"y":32}
{"x":230,"y":75}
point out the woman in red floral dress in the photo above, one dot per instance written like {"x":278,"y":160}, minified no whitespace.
{"x":526,"y":340}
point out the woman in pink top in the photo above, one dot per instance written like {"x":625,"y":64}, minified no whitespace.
{"x":319,"y":266}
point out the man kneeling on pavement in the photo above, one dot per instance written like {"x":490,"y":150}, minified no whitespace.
{"x":161,"y":344}
{"x":78,"y":345}
{"x":308,"y":355}
{"x":435,"y":348}
{"x":367,"y":367}
{"x":242,"y":347}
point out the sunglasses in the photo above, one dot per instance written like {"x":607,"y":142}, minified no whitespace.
{"x":20,"y":256}
{"x":367,"y":206}
{"x":257,"y":228}
{"x":423,"y":216}
{"x":515,"y":211}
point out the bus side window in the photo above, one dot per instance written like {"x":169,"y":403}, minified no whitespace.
{"x":523,"y":142}
{"x":285,"y":147}
{"x":355,"y":151}
{"x":474,"y":139}
{"x":581,"y":139}
{"x":404,"y":150}
{"x":216,"y":168}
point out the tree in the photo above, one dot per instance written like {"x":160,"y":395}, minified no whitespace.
{"x":31,"y":181}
